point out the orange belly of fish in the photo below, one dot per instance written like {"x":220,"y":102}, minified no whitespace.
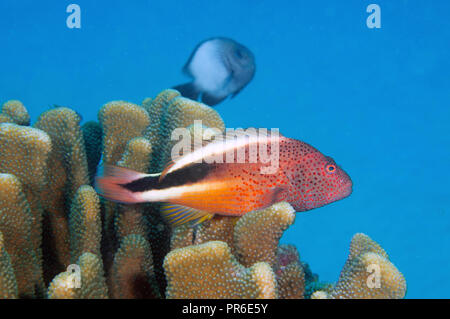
{"x":224,"y":198}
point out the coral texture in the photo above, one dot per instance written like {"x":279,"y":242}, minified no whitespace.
{"x":8,"y":284}
{"x":24,"y":153}
{"x":85,"y":223}
{"x":132,"y":273}
{"x":92,"y":134}
{"x":367,"y":274}
{"x":16,"y":112}
{"x":85,"y":282}
{"x":58,"y":239}
{"x":210,"y":271}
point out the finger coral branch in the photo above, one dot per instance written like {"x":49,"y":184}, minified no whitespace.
{"x":16,"y":222}
{"x":16,"y":111}
{"x":210,"y":271}
{"x":170,"y":111}
{"x":156,"y":109}
{"x":219,"y":228}
{"x":257,"y":233}
{"x":63,"y":126}
{"x":121,"y":121}
{"x":132,"y":272}
{"x":85,"y":223}
{"x":24,"y":153}
{"x":68,"y":171}
{"x":368,"y":273}
{"x":8,"y":284}
{"x":130,"y":218}
{"x":5,"y":119}
{"x":92,"y":135}
{"x":289,"y":273}
{"x":85,"y":282}
{"x":24,"y":150}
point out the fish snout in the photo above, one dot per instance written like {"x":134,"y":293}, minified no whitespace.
{"x":346,"y":185}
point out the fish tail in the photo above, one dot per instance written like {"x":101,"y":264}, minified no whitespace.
{"x":112,"y":183}
{"x":188,"y":90}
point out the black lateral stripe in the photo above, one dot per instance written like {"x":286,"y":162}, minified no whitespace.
{"x":190,"y":174}
{"x":142,"y":184}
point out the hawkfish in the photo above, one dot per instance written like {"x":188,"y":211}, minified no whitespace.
{"x":232,"y":177}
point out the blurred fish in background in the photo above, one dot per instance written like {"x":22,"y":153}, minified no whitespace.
{"x":219,"y":67}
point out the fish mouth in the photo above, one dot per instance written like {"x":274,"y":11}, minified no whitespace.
{"x":346,"y":188}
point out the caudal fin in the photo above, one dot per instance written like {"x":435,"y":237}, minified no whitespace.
{"x":188,"y":90}
{"x":110,"y":184}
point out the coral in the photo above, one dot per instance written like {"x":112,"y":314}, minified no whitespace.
{"x":219,"y":228}
{"x":129,"y":219}
{"x":367,"y":265}
{"x":210,"y":271}
{"x":92,"y":135}
{"x":137,"y":155}
{"x":129,"y":251}
{"x":252,"y":238}
{"x":156,"y":109}
{"x":68,"y":172}
{"x":121,"y":121}
{"x":169,"y":111}
{"x":24,"y":154}
{"x":5,"y":119}
{"x":16,"y":111}
{"x":89,"y":285}
{"x":63,"y":126}
{"x":313,"y":284}
{"x":8,"y":284}
{"x":85,"y":223}
{"x":24,"y":150}
{"x":16,"y":222}
{"x":291,"y":282}
{"x":132,"y":272}
{"x":289,"y":273}
{"x":257,"y":233}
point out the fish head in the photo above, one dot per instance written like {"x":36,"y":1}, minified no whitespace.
{"x":241,"y":61}
{"x":243,"y":56}
{"x":316,"y":180}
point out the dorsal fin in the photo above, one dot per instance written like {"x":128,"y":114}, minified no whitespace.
{"x":240,"y":138}
{"x":178,"y":215}
{"x":166,"y":170}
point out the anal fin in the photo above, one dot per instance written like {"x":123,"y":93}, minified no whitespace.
{"x":178,"y":215}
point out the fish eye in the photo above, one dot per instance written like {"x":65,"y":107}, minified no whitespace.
{"x":239,"y":54}
{"x":330,"y":168}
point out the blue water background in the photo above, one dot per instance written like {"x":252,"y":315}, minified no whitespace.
{"x":376,"y":100}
